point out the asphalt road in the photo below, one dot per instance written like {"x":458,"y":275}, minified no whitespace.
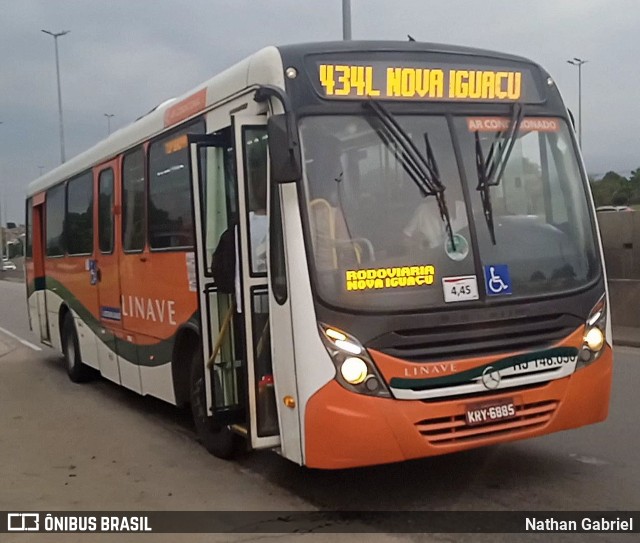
{"x":97,"y":446}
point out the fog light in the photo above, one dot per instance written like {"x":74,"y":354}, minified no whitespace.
{"x":594,"y":339}
{"x":354,"y":370}
{"x":372,"y":384}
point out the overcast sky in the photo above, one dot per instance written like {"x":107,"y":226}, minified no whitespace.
{"x":123,"y":57}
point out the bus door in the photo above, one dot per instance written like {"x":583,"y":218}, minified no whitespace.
{"x":215,"y":219}
{"x":38,"y":267}
{"x":252,"y":172}
{"x":234,"y":316}
{"x":106,"y":276}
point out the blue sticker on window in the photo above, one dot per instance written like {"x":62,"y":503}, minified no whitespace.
{"x":497,"y":280}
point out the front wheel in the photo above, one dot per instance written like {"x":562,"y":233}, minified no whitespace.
{"x":77,"y":370}
{"x":220,"y":441}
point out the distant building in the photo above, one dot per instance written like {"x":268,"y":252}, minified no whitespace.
{"x":12,"y":240}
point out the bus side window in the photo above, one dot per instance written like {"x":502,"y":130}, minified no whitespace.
{"x":169,"y":201}
{"x":28,"y":251}
{"x":133,"y":197}
{"x":255,"y":153}
{"x":54,"y":213}
{"x":105,"y":211}
{"x":218,"y":194}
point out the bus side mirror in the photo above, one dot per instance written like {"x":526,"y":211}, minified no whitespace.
{"x":284,"y":149}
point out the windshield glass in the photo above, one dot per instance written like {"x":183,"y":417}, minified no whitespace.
{"x":543,"y":236}
{"x":379,"y":239}
{"x":378,"y":242}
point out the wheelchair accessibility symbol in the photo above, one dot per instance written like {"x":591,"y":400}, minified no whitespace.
{"x":497,"y":280}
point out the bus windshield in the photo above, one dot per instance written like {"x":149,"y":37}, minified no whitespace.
{"x":381,"y":242}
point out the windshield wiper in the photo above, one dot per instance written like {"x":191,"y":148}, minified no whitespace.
{"x":491,"y":170}
{"x":422,"y":170}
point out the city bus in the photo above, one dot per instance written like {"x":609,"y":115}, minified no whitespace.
{"x":351,"y":253}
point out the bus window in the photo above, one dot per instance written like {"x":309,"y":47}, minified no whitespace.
{"x":218,"y":195}
{"x":267,"y":414}
{"x":277,"y":263}
{"x":133,"y":201}
{"x":170,"y":215}
{"x":540,"y":211}
{"x":28,"y":250}
{"x":255,"y":145}
{"x":55,"y":221}
{"x":105,"y":211}
{"x":79,"y":223}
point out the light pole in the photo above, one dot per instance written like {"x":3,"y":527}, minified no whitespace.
{"x":108,"y":116}
{"x":56,"y":35}
{"x":1,"y":232}
{"x":346,"y":20}
{"x":575,"y":61}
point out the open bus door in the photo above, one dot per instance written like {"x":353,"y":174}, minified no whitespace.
{"x":214,"y":213}
{"x":38,"y":254}
{"x":234,"y":320}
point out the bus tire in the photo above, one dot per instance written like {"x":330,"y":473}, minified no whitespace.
{"x":220,"y":441}
{"x":77,"y":370}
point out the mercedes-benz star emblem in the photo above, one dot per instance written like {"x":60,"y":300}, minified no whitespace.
{"x":491,"y":378}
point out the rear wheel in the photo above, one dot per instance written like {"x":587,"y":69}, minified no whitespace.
{"x":219,"y":440}
{"x":77,"y":370}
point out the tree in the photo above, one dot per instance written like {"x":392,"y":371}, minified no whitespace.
{"x":621,"y":198}
{"x":605,"y":189}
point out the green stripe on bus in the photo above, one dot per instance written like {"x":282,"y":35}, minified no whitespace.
{"x":152,"y":355}
{"x":467,"y":375}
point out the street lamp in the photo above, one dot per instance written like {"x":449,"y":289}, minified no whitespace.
{"x":346,"y":19}
{"x":1,"y":234}
{"x":3,"y":221}
{"x":56,"y":35}
{"x":108,"y":116}
{"x":575,"y":61}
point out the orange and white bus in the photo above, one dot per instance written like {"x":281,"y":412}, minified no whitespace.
{"x":351,"y":253}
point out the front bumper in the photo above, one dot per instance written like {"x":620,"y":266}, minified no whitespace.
{"x":344,"y":429}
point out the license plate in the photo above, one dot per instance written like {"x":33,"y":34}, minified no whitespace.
{"x":460,"y":289}
{"x":486,"y":413}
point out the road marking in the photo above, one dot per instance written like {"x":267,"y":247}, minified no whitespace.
{"x":588,"y":460}
{"x":23,"y":341}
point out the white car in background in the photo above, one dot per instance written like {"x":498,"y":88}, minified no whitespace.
{"x":604,"y":209}
{"x":8,"y":265}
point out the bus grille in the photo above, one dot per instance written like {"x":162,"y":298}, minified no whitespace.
{"x":450,"y":430}
{"x":472,"y":339}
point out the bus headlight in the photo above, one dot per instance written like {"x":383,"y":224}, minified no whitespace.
{"x":594,"y":338}
{"x":355,"y":370}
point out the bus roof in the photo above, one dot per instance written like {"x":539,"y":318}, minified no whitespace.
{"x":263,"y":67}
{"x":394,"y":46}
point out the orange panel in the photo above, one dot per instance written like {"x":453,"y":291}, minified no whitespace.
{"x":186,"y":108}
{"x":344,"y":429}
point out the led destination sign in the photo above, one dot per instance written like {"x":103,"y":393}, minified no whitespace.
{"x":384,"y":80}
